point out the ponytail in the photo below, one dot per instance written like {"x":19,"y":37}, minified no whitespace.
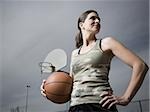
{"x":78,"y":39}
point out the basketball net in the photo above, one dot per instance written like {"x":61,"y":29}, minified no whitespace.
{"x":46,"y":67}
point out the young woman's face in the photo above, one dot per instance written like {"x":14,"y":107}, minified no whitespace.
{"x":92,"y":23}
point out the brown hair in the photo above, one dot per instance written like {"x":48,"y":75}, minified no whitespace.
{"x":78,"y":38}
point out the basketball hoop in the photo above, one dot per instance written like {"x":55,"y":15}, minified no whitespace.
{"x":54,"y":61}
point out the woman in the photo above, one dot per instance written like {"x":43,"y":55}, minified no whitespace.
{"x":90,"y":64}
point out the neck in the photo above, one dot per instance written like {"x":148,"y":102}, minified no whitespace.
{"x":88,"y":38}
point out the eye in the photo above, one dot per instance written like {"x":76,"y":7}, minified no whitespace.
{"x":95,"y":17}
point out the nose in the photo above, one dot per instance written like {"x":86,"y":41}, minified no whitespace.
{"x":97,"y":21}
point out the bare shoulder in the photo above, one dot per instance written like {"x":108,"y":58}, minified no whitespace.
{"x":108,"y":43}
{"x":108,"y":40}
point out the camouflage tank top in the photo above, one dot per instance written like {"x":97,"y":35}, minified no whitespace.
{"x":90,"y":74}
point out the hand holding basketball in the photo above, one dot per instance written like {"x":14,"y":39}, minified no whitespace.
{"x":57,"y":88}
{"x":42,"y":88}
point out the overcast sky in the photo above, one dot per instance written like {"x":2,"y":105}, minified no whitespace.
{"x":29,"y":30}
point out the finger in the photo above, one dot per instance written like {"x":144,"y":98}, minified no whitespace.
{"x":42,"y":87}
{"x":44,"y":80}
{"x":108,"y":102}
{"x":112,"y":103}
{"x":43,"y":93}
{"x":104,"y":93}
{"x":105,"y":99}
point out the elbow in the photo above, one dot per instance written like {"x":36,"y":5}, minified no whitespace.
{"x":143,"y":67}
{"x":146,"y":67}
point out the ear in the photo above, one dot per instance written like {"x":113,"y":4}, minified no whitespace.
{"x":81,"y":25}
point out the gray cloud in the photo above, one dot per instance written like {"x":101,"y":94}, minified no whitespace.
{"x":32,"y":29}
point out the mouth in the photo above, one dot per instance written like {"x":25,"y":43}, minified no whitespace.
{"x":97,"y":26}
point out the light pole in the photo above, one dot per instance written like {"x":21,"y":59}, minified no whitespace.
{"x":27,"y":86}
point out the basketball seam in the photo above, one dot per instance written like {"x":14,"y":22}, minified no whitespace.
{"x":57,"y":82}
{"x":58,"y":94}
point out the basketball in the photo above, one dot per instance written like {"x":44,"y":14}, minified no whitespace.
{"x":58,"y":87}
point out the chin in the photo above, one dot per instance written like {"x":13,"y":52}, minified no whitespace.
{"x":97,"y":31}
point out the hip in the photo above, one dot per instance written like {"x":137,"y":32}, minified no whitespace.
{"x":91,"y":107}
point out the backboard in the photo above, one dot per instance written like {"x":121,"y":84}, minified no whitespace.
{"x":54,"y":61}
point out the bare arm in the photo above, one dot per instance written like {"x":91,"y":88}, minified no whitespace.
{"x":139,"y":70}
